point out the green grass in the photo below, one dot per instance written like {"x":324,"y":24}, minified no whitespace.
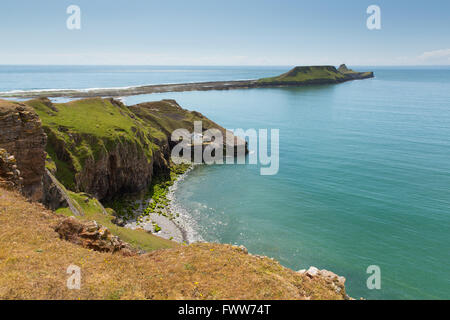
{"x":157,"y":192}
{"x":87,"y":129}
{"x":160,"y":187}
{"x":50,"y":164}
{"x":166,"y":116}
{"x":366,"y":74}
{"x":96,"y":117}
{"x":302,"y":74}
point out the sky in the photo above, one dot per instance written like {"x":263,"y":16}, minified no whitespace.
{"x":231,"y":32}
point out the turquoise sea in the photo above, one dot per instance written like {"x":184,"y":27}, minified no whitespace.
{"x":364,"y":173}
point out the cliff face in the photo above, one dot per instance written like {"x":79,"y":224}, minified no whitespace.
{"x":21,"y":135}
{"x":106,"y":149}
{"x":123,"y":169}
{"x":99,"y":147}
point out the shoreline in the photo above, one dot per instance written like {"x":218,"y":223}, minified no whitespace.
{"x":176,"y":87}
{"x":168,"y":223}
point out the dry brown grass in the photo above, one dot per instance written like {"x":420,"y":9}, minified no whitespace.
{"x":33,"y":264}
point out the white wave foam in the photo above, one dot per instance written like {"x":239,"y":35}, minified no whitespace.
{"x":85,"y":90}
{"x":184,"y":220}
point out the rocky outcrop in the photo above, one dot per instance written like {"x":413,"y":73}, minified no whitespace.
{"x":192,"y":86}
{"x":21,"y":135}
{"x":335,"y":281}
{"x":92,"y":236}
{"x":9,"y":174}
{"x":354,"y":75}
{"x":167,"y":115}
{"x":314,"y":75}
{"x":55,"y":195}
{"x":343,"y":68}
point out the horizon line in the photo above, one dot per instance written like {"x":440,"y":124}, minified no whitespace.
{"x":220,"y":65}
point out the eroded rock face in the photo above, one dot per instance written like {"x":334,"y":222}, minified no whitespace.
{"x":22,"y":136}
{"x":125,"y":169}
{"x":9,"y":174}
{"x":92,"y":236}
{"x":54,"y":197}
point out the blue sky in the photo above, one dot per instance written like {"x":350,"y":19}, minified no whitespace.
{"x":209,"y":32}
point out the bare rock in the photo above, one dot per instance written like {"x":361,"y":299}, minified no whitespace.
{"x":55,"y":195}
{"x":9,"y":174}
{"x":335,"y":281}
{"x":243,"y":249}
{"x":93,"y":236}
{"x":22,"y":136}
{"x":312,"y":272}
{"x":118,"y":221}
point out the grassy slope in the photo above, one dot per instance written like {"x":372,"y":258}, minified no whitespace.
{"x":343,"y":69}
{"x":33,"y":264}
{"x":139,"y":239}
{"x":301,"y":74}
{"x":87,"y":128}
{"x":167,"y":116}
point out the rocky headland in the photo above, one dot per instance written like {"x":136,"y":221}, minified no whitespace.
{"x":298,"y":76}
{"x":74,"y":157}
{"x":77,"y":158}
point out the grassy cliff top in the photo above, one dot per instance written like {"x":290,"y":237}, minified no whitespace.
{"x":33,"y":264}
{"x":326,"y":74}
{"x":87,"y":128}
{"x":101,"y":118}
{"x":168,"y":115}
{"x":300,"y":74}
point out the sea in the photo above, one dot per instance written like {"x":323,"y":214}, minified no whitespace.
{"x":364,"y":169}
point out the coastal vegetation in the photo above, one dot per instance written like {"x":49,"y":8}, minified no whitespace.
{"x":316,"y":74}
{"x":92,"y":211}
{"x":300,"y":74}
{"x":81,"y":130}
{"x":98,"y":152}
{"x":154,"y":202}
{"x":34,"y":260}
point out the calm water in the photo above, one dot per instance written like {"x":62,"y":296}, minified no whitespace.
{"x":364,"y":173}
{"x":84,"y":77}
